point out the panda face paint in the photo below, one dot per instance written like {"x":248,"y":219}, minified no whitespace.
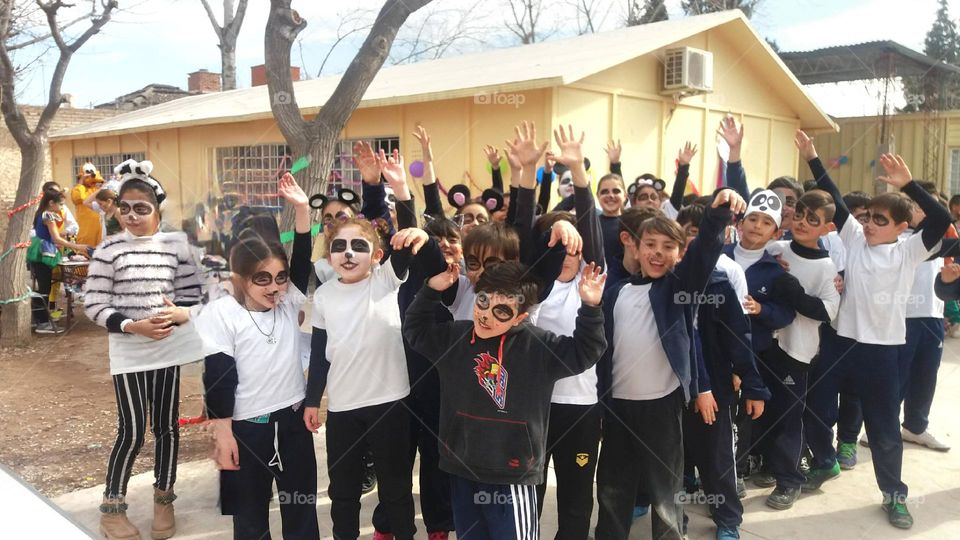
{"x":565,"y":185}
{"x":352,"y":255}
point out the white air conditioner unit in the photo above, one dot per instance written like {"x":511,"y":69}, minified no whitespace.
{"x":687,"y":71}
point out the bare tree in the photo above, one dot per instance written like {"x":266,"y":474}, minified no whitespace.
{"x":646,"y":11}
{"x":525,"y":18}
{"x":437,"y":33}
{"x":591,"y":14}
{"x":227,"y":34}
{"x":350,"y":24}
{"x":699,"y":7}
{"x":317,"y":138}
{"x":15,"y":319}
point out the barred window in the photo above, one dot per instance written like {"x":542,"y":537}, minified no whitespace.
{"x":343,"y":173}
{"x":250,"y":173}
{"x":105,"y":162}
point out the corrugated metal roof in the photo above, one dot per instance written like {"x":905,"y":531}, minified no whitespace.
{"x":525,"y":67}
{"x":861,"y":61}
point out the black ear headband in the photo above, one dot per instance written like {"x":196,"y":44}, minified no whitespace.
{"x":459,"y":196}
{"x":344,"y":195}
{"x":657,"y":184}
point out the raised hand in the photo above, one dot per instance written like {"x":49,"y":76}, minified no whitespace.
{"x":730,"y":133}
{"x":421,"y":135}
{"x":525,"y":145}
{"x":549,"y":160}
{"x":493,"y":156}
{"x":412,"y":238}
{"x":591,"y":285}
{"x":566,"y":233}
{"x":805,"y":145}
{"x":898,"y":174}
{"x":571,"y":148}
{"x":685,"y":156}
{"x":366,"y":161}
{"x":444,"y":280}
{"x":613,"y":151}
{"x":729,"y":196}
{"x":290,"y":191}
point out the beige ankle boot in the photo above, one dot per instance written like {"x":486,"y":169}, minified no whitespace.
{"x":164,"y":524}
{"x":113,"y":520}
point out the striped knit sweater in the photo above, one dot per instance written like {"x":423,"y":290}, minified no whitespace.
{"x":129,"y":277}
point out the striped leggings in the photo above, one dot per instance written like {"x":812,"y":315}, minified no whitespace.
{"x":157,"y":393}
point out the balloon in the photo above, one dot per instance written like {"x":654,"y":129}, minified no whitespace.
{"x":416,"y":169}
{"x":844,"y":160}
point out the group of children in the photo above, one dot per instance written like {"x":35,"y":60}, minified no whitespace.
{"x":691,"y":337}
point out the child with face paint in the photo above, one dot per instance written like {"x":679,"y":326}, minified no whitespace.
{"x":139,"y":286}
{"x":357,"y":347}
{"x":253,"y":379}
{"x":573,"y":433}
{"x":647,"y":393}
{"x":497,"y":374}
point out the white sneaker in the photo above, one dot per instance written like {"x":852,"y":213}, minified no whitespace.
{"x":863,"y":440}
{"x":46,"y":328}
{"x":924,"y":439}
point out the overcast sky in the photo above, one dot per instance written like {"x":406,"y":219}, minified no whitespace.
{"x":160,"y":41}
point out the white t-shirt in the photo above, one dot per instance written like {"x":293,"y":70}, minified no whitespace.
{"x":270,"y":376}
{"x":364,"y":344}
{"x":558,"y":314}
{"x":801,"y":338}
{"x":735,"y":275}
{"x":669,"y":210}
{"x":641,"y":370}
{"x":877,"y":285}
{"x":832,"y":243}
{"x":923,"y":301}
{"x":462,"y":306}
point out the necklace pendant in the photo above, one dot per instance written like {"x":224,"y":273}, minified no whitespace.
{"x":271,"y":339}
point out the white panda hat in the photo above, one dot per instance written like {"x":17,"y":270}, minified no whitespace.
{"x":132,"y":169}
{"x":766,"y":202}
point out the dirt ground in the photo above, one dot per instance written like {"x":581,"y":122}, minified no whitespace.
{"x":58,"y":412}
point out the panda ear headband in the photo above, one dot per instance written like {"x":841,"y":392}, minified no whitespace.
{"x":657,"y":184}
{"x":132,"y":169}
{"x":459,"y":196}
{"x":343,"y":195}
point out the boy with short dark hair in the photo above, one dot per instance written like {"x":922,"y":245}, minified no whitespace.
{"x":880,"y":268}
{"x":497,"y":374}
{"x":646,"y":393}
{"x":815,"y":298}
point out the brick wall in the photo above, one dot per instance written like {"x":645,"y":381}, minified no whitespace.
{"x":10,"y":154}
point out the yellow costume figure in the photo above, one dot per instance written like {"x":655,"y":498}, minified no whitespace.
{"x":87,"y":218}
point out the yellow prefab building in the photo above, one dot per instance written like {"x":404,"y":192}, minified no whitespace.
{"x":929,"y":143}
{"x":610,"y":85}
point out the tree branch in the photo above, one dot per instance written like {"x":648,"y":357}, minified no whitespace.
{"x":283,"y":26}
{"x":213,"y":18}
{"x":38,"y":39}
{"x":237,"y":21}
{"x":366,"y":63}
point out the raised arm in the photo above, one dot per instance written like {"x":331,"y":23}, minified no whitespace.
{"x":588,"y":224}
{"x":701,"y":256}
{"x":546,"y":183}
{"x":938,"y":219}
{"x":567,"y":355}
{"x":736,"y":177}
{"x":431,"y":189}
{"x":420,"y":327}
{"x":300,"y":265}
{"x":809,"y":154}
{"x":613,"y":151}
{"x":684,"y":158}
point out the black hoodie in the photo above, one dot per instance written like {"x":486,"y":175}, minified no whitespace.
{"x":495,"y":392}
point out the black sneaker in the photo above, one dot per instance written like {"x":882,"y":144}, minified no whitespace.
{"x":897,"y":514}
{"x":369,"y":475}
{"x":763,"y":479}
{"x":783,"y":498}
